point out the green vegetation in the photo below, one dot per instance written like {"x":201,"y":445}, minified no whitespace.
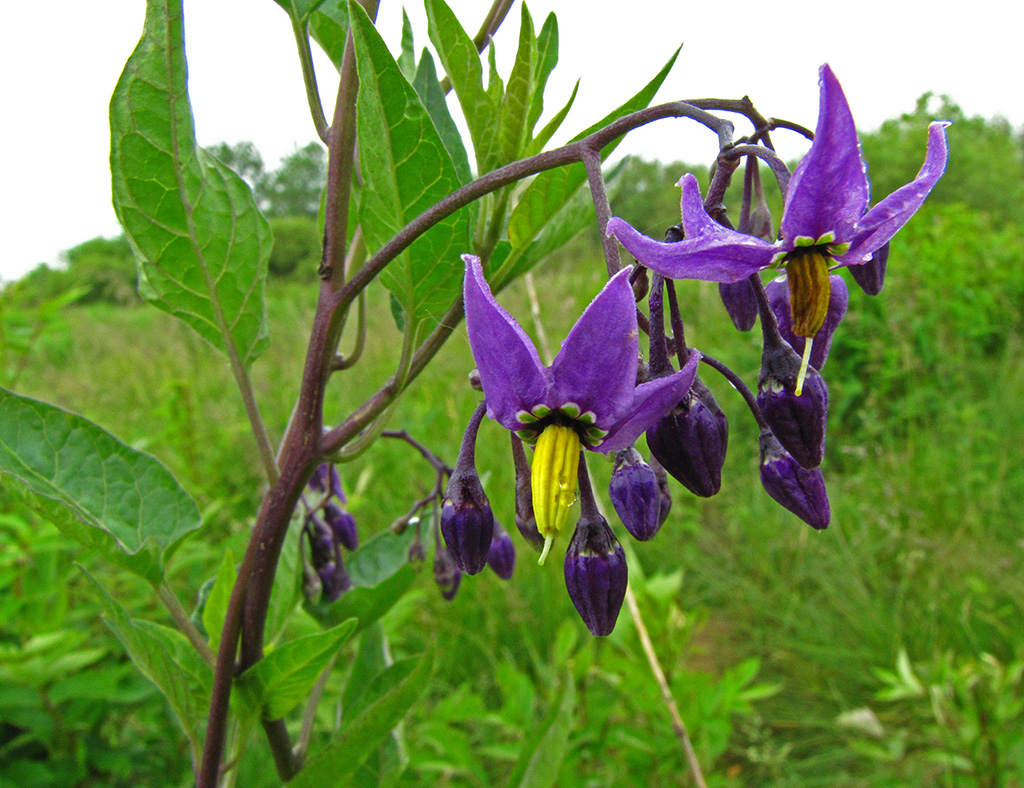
{"x":885,"y":651}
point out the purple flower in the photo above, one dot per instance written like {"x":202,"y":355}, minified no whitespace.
{"x":825,"y":221}
{"x":343,"y":524}
{"x":587,"y":398}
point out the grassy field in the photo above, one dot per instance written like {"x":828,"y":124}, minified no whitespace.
{"x":884,"y":651}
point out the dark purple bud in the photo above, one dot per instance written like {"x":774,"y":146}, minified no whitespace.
{"x":800,"y":490}
{"x":502,"y":555}
{"x":322,"y":545}
{"x":740,"y":302}
{"x":691,"y":440}
{"x":343,"y":525}
{"x":526,"y":522}
{"x":838,"y":301}
{"x":446,"y":574}
{"x":325,"y":479}
{"x":871,"y":275}
{"x":797,"y":421}
{"x":467,"y":522}
{"x":334,"y":580}
{"x":664,"y":492}
{"x":595,"y":575}
{"x":635,"y":495}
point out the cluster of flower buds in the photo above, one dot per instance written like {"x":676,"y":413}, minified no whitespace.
{"x":328,"y":527}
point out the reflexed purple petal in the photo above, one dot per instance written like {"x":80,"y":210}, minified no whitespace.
{"x":884,"y":220}
{"x":839,"y":300}
{"x":596,"y":367}
{"x":709,"y":252}
{"x":651,"y":401}
{"x":511,"y":373}
{"x":829,"y":189}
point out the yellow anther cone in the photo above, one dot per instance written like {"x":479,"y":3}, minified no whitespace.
{"x":554,"y":480}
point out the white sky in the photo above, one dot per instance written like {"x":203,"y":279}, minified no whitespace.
{"x":59,"y":62}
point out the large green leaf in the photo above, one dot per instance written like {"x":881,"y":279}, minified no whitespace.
{"x":544,"y":64}
{"x":550,"y":190}
{"x":285,"y":676}
{"x":544,"y":750}
{"x":127,"y":499}
{"x":201,"y":243}
{"x":328,"y":25}
{"x":515,"y":104}
{"x":406,"y":170}
{"x":216,"y":607}
{"x":461,"y":63}
{"x":433,"y":98}
{"x":339,"y":760}
{"x":166,"y":658}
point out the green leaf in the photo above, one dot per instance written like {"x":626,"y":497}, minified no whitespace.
{"x":379,"y":557}
{"x":406,"y":170}
{"x":340,"y":759}
{"x":370,"y":660}
{"x":515,"y":104}
{"x":550,"y":190}
{"x":544,"y":64}
{"x":285,"y":676}
{"x":217,"y":602}
{"x":164,"y":657}
{"x":546,"y":133}
{"x":461,"y":63}
{"x":202,"y":246}
{"x":407,"y":60}
{"x":328,"y":26}
{"x":544,"y":751}
{"x":299,"y":10}
{"x":429,"y":90}
{"x":130,"y":499}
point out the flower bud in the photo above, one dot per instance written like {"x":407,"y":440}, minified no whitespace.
{"x":446,"y":574}
{"x":635,"y":495}
{"x":797,"y":421}
{"x":322,"y":545}
{"x":417,"y":553}
{"x":595,"y":574}
{"x":502,"y":555}
{"x":325,"y":479}
{"x":691,"y":440}
{"x":740,"y":302}
{"x":334,"y":580}
{"x":342,"y":524}
{"x":467,"y":522}
{"x":871,"y":275}
{"x":798,"y":489}
{"x":839,"y":299}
